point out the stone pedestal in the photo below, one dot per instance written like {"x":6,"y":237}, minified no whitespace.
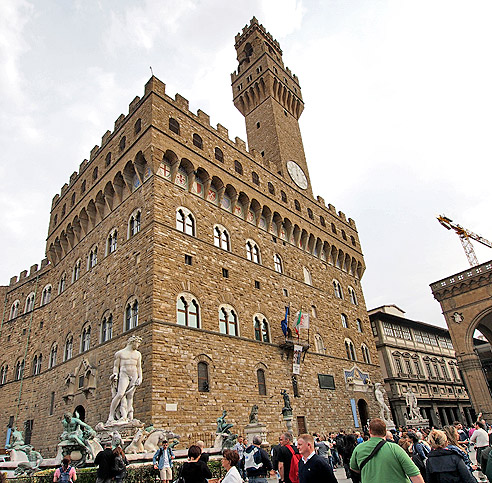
{"x":256,"y":429}
{"x":287,"y":415}
{"x":125,"y":430}
{"x":416,"y":422}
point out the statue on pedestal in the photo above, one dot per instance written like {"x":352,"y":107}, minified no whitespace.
{"x":126,"y":376}
{"x":384,"y":410}
{"x":16,"y":440}
{"x":253,"y":415}
{"x":287,"y":409}
{"x":224,"y":439}
{"x":29,"y":467}
{"x":412,"y":403}
{"x":76,"y":436}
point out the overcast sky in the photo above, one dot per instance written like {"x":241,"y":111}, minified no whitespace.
{"x":397,"y":121}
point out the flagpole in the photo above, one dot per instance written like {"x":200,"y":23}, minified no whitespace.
{"x":288,"y":315}
{"x":299,"y":331}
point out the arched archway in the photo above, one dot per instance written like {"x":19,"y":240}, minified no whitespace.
{"x":465,"y":300}
{"x":79,"y":412}
{"x":363,"y":412}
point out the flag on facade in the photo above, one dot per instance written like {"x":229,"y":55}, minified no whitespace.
{"x":284,"y":324}
{"x":302,"y":321}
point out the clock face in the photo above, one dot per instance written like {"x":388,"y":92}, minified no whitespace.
{"x":297,"y":174}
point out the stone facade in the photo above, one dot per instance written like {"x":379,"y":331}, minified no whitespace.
{"x":419,"y":356}
{"x":170,"y":227}
{"x":466,"y":306}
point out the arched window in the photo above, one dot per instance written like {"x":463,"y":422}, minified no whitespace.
{"x":261,"y":328}
{"x":271,"y":188}
{"x":138,"y":126}
{"x":197,"y":141}
{"x":322,"y":220}
{"x":14,"y":310}
{"x":131,"y":315}
{"x":173,"y":125}
{"x":297,"y":205}
{"x":188,"y":312}
{"x":344,"y":235}
{"x":107,"y":161}
{"x":112,"y":241}
{"x":76,"y":270}
{"x":94,"y":174}
{"x":19,"y":370}
{"x":64,"y":208}
{"x":307,"y":276}
{"x":67,"y":353}
{"x":92,"y":258}
{"x":310,"y":213}
{"x":338,"y":289}
{"x":260,"y":375}
{"x":352,"y":239}
{"x":359,"y":325}
{"x":203,"y":382}
{"x":122,"y":143}
{"x":319,"y":344}
{"x":238,"y":167}
{"x":3,"y":374}
{"x":185,"y":222}
{"x":283,"y":196}
{"x":398,"y":365}
{"x":277,"y":263}
{"x":344,"y":321}
{"x":107,"y":327}
{"x":62,"y":283}
{"x":228,"y":321}
{"x":353,"y":296}
{"x":349,"y":348}
{"x":334,"y":228}
{"x":85,"y":340}
{"x":221,"y":238}
{"x":29,"y":303}
{"x":252,"y":251}
{"x":52,"y":361}
{"x":36,"y":364}
{"x":255,"y":178}
{"x":365,"y":354}
{"x":134,"y":223}
{"x":219,"y":155}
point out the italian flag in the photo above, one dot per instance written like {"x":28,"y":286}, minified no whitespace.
{"x":302,"y":321}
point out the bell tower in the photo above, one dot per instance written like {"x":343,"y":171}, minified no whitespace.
{"x":269,"y":96}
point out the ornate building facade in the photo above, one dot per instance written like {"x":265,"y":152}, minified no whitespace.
{"x":421,"y":357}
{"x":173,"y":232}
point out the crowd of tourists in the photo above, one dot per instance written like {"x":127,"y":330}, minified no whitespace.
{"x":373,"y":455}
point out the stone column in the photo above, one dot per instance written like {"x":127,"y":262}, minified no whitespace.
{"x":476,"y":384}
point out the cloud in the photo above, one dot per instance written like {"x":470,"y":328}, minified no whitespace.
{"x":139,"y":26}
{"x":14,"y":16}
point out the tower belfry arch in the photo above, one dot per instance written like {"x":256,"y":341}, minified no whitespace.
{"x":466,"y":303}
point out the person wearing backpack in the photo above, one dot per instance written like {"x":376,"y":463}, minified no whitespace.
{"x":256,"y":462}
{"x":163,"y":460}
{"x":287,"y":454}
{"x":66,"y":473}
{"x":313,"y":468}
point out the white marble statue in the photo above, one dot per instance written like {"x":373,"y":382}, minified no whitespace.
{"x":384,"y":410}
{"x":411,"y":400}
{"x":126,"y":376}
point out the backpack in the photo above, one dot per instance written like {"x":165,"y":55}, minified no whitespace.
{"x":65,"y":475}
{"x":252,"y":459}
{"x":294,"y":465}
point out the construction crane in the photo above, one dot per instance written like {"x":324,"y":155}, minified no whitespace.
{"x":465,"y":236}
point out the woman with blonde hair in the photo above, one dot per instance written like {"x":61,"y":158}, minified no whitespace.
{"x":443,"y":465}
{"x":453,"y":445}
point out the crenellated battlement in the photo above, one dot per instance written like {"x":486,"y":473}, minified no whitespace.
{"x":156,"y":86}
{"x":33,"y":272}
{"x":247,"y":29}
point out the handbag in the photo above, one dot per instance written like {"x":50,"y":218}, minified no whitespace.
{"x":180,"y":478}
